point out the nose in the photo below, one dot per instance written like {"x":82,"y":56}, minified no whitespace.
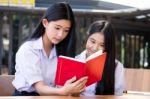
{"x":60,"y":34}
{"x":96,"y":48}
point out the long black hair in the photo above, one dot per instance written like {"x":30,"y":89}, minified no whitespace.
{"x":106,"y":85}
{"x":56,"y":12}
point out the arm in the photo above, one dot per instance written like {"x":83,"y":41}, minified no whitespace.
{"x":119,"y":79}
{"x":70,"y":87}
{"x":43,"y":89}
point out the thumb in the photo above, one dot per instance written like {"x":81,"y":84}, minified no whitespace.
{"x":71,"y":80}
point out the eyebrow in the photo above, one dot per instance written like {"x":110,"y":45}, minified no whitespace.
{"x":95,"y":40}
{"x":92,"y":38}
{"x":61,"y":26}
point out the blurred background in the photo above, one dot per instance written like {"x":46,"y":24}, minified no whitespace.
{"x":130,"y":18}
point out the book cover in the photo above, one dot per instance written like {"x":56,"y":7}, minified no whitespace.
{"x":69,"y":67}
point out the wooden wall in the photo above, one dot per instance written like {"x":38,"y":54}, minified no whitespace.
{"x":137,"y":79}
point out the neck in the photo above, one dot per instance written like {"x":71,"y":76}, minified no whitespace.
{"x":87,"y":55}
{"x":47,"y":45}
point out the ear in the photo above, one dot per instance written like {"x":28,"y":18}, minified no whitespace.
{"x":44,"y":22}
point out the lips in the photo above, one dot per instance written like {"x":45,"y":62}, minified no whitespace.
{"x":90,"y":52}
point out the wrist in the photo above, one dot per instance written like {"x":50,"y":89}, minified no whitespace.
{"x":61,"y":91}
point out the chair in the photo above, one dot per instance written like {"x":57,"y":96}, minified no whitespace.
{"x":6,"y":87}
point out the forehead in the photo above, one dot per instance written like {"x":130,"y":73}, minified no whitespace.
{"x":62,"y":23}
{"x":98,"y":36}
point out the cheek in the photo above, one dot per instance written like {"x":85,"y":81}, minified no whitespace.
{"x":88,"y":49}
{"x":49,"y":35}
{"x":64,"y":35}
{"x":101,"y":47}
{"x":47,"y":30}
{"x":88,"y":45}
{"x":50,"y":31}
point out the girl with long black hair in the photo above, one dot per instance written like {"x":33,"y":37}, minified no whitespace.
{"x":101,"y":37}
{"x":36,"y":59}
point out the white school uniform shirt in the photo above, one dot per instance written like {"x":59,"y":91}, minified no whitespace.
{"x":119,"y":79}
{"x":33,"y":65}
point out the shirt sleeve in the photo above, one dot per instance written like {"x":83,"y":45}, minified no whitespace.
{"x":119,"y":79}
{"x":28,"y":64}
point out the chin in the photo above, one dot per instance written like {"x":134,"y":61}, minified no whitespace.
{"x":56,"y":42}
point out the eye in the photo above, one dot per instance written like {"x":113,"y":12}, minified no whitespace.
{"x":57,"y":28}
{"x":92,"y":41}
{"x":66,"y":31}
{"x":102,"y":45}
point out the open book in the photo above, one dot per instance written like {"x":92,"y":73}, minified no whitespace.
{"x":69,"y":67}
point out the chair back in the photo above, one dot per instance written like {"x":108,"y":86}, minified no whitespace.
{"x":6,"y":87}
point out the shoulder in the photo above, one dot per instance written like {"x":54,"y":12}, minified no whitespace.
{"x":119,"y":68}
{"x":119,"y":78}
{"x":119,"y":64}
{"x":27,"y":52}
{"x":27,"y":47}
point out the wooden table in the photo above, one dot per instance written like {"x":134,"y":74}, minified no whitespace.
{"x":126,"y":96}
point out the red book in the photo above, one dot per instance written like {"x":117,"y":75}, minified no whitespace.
{"x":69,"y":67}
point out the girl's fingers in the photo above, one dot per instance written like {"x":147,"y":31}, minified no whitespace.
{"x":83,"y":89}
{"x":80,"y":84}
{"x":76,"y":86}
{"x":81,"y":80}
{"x":73,"y":79}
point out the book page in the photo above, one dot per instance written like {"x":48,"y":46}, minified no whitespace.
{"x":95,"y":66}
{"x":70,"y":58}
{"x":100,"y":52}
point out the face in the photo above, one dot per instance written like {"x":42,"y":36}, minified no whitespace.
{"x":94,"y":43}
{"x":56,"y":31}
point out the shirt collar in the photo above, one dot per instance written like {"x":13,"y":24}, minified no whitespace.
{"x":83,"y":55}
{"x":53,"y":52}
{"x":38,"y":44}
